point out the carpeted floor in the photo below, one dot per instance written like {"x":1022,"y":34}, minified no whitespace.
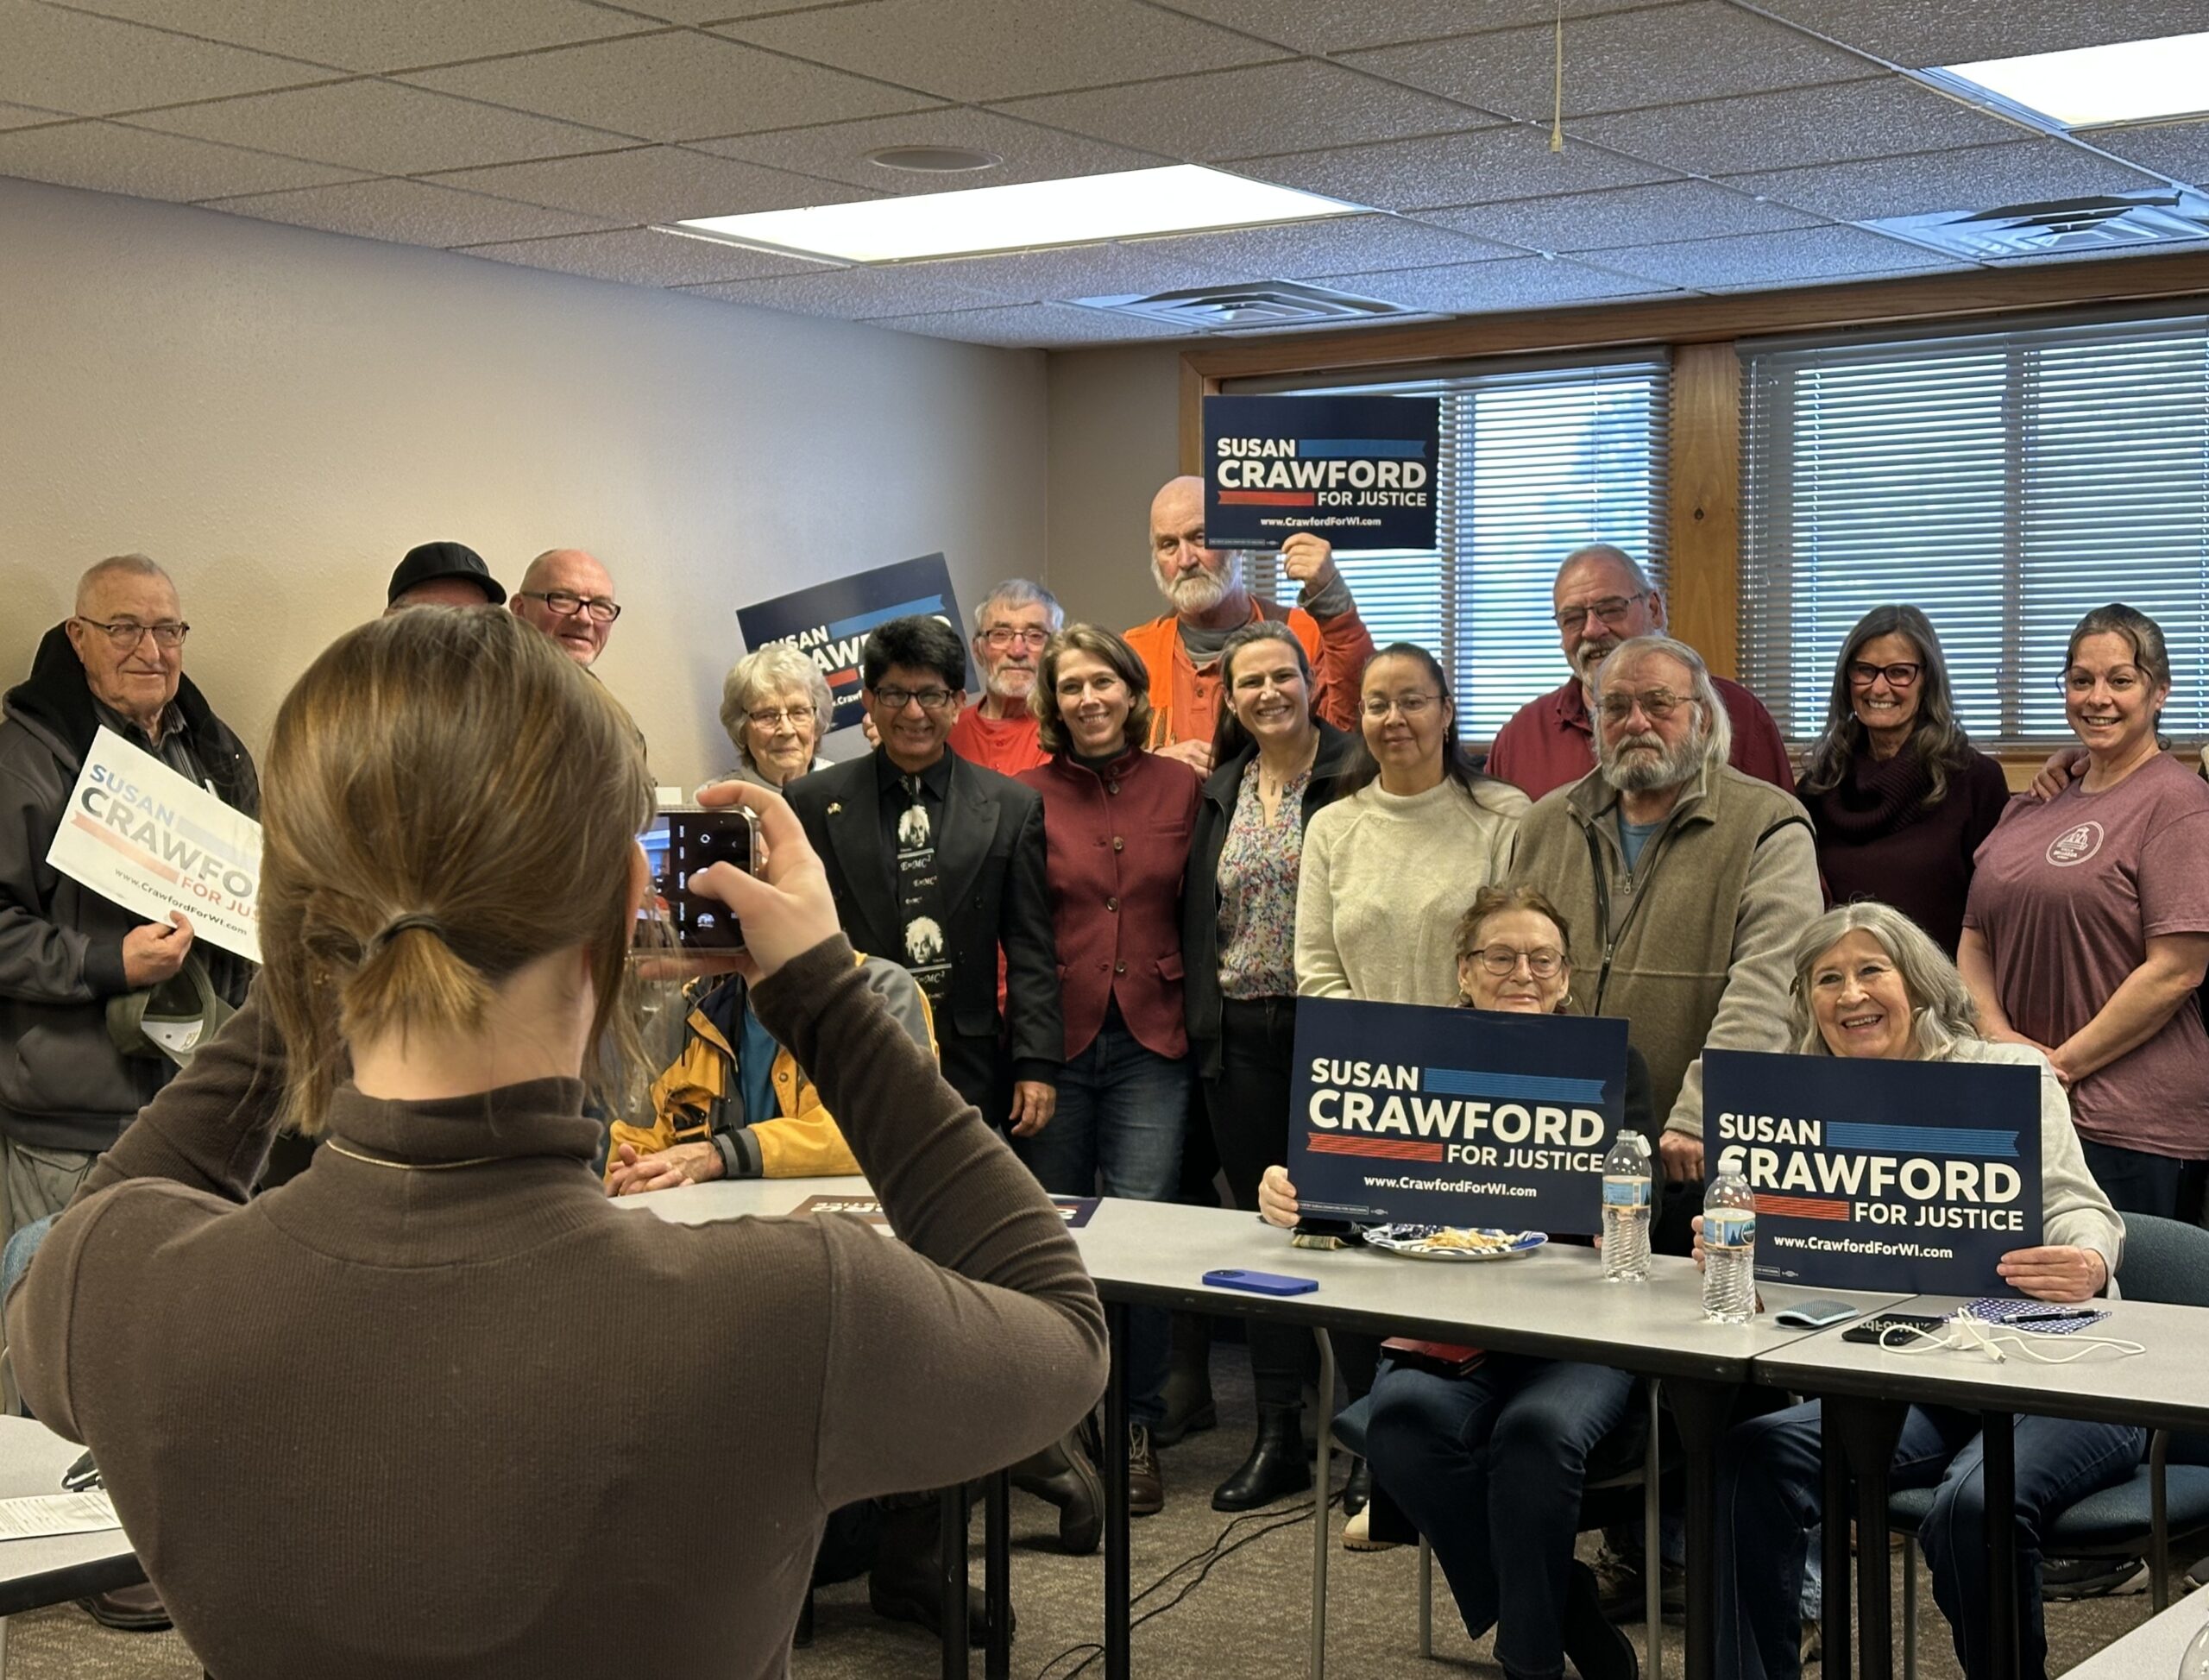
{"x":1246,"y":1618}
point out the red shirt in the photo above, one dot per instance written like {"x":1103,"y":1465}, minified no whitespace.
{"x":1007,"y":746}
{"x":1550,"y":743}
{"x":1118,"y":846}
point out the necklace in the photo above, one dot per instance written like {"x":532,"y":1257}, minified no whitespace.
{"x":1270,"y":788}
{"x":408,"y":1166}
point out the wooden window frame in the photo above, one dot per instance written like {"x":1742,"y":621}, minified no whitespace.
{"x":1703,"y":595}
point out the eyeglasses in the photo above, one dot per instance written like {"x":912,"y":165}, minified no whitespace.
{"x":1542,"y":962}
{"x":560,"y":604}
{"x":126,"y":634}
{"x":1657,"y":705}
{"x":1411,"y":705}
{"x":768,"y":716}
{"x":1864,"y":674}
{"x":1612,"y":609}
{"x":931,"y":700}
{"x":1002,"y":637}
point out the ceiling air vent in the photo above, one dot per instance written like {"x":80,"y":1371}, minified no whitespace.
{"x":2119,"y":222}
{"x":1258,"y":304}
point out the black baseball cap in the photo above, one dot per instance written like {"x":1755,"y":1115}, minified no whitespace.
{"x":435,"y":560}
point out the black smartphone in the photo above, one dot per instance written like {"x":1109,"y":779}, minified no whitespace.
{"x":686,"y":839}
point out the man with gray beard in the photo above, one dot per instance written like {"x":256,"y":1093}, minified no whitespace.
{"x":1684,"y":882}
{"x":1205,"y":585}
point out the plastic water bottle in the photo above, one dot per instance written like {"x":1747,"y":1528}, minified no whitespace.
{"x":2194,"y":1665}
{"x":1626,"y":1181}
{"x":1729,"y":1250}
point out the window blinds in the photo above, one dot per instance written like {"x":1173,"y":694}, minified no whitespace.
{"x":2002,"y":481}
{"x":1535,"y":461}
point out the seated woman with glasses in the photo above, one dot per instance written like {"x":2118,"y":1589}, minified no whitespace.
{"x":1385,"y":868}
{"x":1488,"y":1465}
{"x":774,"y":706}
{"x":1899,"y":797}
{"x":442,"y":1359}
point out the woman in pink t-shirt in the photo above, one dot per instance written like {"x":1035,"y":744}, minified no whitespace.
{"x":2087,"y":928}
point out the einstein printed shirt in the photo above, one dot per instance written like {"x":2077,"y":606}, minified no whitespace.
{"x":912,"y":810}
{"x":2066,"y":895}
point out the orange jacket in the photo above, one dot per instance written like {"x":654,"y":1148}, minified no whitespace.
{"x":1184,"y":701}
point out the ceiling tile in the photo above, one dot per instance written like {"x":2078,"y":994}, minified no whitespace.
{"x":1916,"y":33}
{"x":92,"y":66}
{"x":407,"y":212}
{"x":643,"y":256}
{"x":378,"y":126}
{"x":1090,"y":271}
{"x":1469,"y":288}
{"x":1773,"y":259}
{"x":2180,"y":149}
{"x":1032,"y":326}
{"x":650,"y":183}
{"x":1886,"y":118}
{"x":1001,"y":49}
{"x":1300,"y":106}
{"x":1342,"y":26}
{"x":859,"y":294}
{"x":1660,"y":56}
{"x":1621,"y":215}
{"x":379,"y":34}
{"x":1348,"y":242}
{"x":839,"y":151}
{"x":22,"y":116}
{"x":678,"y":86}
{"x":1976,"y":178}
{"x":724,"y":11}
{"x":1452,"y":169}
{"x":107,"y":157}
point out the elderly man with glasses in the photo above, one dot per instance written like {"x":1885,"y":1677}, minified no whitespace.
{"x":569,"y":596}
{"x":1602,"y":598}
{"x":1011,"y":627}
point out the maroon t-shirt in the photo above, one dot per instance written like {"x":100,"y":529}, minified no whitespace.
{"x":2066,"y":895}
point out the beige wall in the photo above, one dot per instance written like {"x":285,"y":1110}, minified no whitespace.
{"x":1115,"y":439}
{"x":278,"y":414}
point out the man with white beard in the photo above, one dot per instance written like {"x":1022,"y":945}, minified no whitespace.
{"x":1205,"y":585}
{"x":1603,"y":597}
{"x":1010,"y":628}
{"x":1685,"y":884}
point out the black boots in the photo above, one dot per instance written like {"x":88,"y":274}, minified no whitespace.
{"x":906,"y":1583}
{"x":1597,"y":1649}
{"x":1061,"y":1474}
{"x":1276,"y":1467}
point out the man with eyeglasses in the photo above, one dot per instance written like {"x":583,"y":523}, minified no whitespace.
{"x":569,"y":596}
{"x":67,"y":1090}
{"x":938,"y":864}
{"x":1602,"y":598}
{"x":1010,"y":628}
{"x":1210,"y":603}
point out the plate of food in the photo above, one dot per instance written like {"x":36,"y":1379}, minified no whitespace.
{"x":1454,"y":1242}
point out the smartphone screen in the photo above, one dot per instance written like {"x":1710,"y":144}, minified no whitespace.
{"x":681,"y":843}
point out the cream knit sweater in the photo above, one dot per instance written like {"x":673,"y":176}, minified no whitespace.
{"x":1384,"y":879}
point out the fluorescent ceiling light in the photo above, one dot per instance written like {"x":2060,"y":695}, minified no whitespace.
{"x":1082,"y":211}
{"x":2128,"y":81}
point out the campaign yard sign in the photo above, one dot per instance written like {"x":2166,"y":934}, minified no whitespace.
{"x":1358,"y":471}
{"x":829,"y":622}
{"x":142,"y":836}
{"x":1454,"y":1116}
{"x":1871,"y":1175}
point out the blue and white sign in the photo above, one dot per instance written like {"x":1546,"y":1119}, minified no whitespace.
{"x":1871,"y":1174}
{"x":1454,"y":1116}
{"x":1359,"y":471}
{"x":830,"y":621}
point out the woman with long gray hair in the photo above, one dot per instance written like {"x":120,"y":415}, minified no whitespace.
{"x":1899,"y":798}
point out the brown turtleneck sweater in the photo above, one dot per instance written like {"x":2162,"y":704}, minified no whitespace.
{"x":471,"y":1420}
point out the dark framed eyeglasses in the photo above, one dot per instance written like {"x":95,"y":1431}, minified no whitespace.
{"x":931,"y":700}
{"x":123,"y":634}
{"x":768,"y":716}
{"x":1000,"y":636}
{"x":1542,"y":962}
{"x":1901,"y":675}
{"x":560,"y":603}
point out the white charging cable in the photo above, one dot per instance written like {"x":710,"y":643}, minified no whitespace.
{"x":1968,"y":1333}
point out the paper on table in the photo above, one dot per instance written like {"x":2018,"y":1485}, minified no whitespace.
{"x":43,"y":1515}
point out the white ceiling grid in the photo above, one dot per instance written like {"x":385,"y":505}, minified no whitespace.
{"x":1712,"y":145}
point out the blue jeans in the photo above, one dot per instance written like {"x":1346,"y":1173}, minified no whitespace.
{"x":1121,"y":1112}
{"x":1769,"y":1493}
{"x":1489,"y":1468}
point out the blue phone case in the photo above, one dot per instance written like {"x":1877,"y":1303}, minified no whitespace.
{"x":1260,"y":1283}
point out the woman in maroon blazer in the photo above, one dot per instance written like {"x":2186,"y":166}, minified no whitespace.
{"x":1117,"y":823}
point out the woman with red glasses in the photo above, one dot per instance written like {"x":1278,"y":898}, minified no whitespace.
{"x":1898,"y":795}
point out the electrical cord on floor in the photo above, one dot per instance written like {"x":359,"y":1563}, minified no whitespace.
{"x":1089,"y":1650}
